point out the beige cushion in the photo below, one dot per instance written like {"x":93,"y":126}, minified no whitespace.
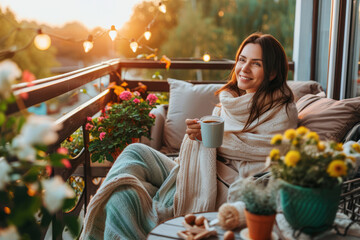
{"x":301,"y":88}
{"x":330,"y":118}
{"x":186,"y":100}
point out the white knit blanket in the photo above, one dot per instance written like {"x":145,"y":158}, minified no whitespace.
{"x":196,"y":184}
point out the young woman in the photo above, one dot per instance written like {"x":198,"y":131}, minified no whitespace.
{"x":144,"y":187}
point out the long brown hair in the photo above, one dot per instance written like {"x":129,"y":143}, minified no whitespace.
{"x":270,"y":92}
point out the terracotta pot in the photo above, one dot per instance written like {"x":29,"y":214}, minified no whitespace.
{"x":260,"y":226}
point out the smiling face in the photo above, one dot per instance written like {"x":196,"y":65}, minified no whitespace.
{"x":249,"y":68}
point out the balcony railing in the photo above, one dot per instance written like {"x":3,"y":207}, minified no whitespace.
{"x":48,"y":88}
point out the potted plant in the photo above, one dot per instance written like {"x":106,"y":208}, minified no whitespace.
{"x":310,"y":173}
{"x":119,"y":125}
{"x":260,"y":206}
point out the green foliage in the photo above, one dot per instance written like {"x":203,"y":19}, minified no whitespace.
{"x":74,"y":143}
{"x":258,"y":199}
{"x":119,"y":125}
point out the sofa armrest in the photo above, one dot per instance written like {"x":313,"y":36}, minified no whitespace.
{"x":353,"y":134}
{"x":156,"y":131}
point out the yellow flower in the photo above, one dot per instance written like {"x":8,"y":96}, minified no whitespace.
{"x":337,"y":168}
{"x":313,"y":135}
{"x":321,"y":146}
{"x":295,"y":142}
{"x":277,"y":138}
{"x":302,"y":130}
{"x":290,"y":134}
{"x":275,"y":154}
{"x":291,"y":158}
{"x":356,"y":147}
{"x":338,"y":147}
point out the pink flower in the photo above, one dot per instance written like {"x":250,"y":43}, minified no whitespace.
{"x":136,"y":100}
{"x":125,"y":95}
{"x":102,"y":135}
{"x":88,"y":126}
{"x":89,"y":119}
{"x":152,"y":115}
{"x":48,"y":170}
{"x":136,"y":93}
{"x":100,"y":119}
{"x":66,"y":163}
{"x":62,"y":150}
{"x":99,"y":129}
{"x":151,"y":98}
{"x":107,"y":108}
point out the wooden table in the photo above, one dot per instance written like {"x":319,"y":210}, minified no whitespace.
{"x":169,"y":229}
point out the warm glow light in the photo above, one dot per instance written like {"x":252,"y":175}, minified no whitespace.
{"x":112,"y":33}
{"x":88,"y":44}
{"x":147,"y":34}
{"x":206,"y":57}
{"x":42,"y":41}
{"x":162,"y":7}
{"x":221,"y":13}
{"x":134,"y":45}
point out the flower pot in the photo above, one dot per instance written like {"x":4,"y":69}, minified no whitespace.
{"x":260,"y":226}
{"x":310,"y":210}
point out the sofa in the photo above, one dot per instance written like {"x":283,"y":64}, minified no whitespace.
{"x":337,"y":120}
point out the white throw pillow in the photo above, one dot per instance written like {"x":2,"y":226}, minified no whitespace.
{"x":186,"y":100}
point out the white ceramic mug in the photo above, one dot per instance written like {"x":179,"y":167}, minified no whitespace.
{"x":212,"y":131}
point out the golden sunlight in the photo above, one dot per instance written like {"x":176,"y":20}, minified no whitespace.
{"x":91,"y":13}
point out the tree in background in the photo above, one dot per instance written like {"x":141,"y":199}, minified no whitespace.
{"x":143,"y":14}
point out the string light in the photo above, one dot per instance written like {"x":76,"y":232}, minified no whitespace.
{"x":112,"y":33}
{"x":88,"y":44}
{"x":162,"y":7}
{"x":42,"y":41}
{"x":221,"y":13}
{"x":134,"y":45}
{"x":147,"y":33}
{"x":206,"y":57}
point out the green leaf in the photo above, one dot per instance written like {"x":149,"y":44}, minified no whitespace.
{"x":73,"y":225}
{"x":3,"y":106}
{"x":2,"y":118}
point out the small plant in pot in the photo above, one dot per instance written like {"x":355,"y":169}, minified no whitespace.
{"x":260,"y":206}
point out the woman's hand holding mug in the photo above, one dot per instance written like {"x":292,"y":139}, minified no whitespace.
{"x":193,"y":128}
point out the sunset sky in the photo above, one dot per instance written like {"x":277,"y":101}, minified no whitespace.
{"x":91,"y":13}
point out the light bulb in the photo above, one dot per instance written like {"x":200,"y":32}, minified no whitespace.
{"x":112,"y":33}
{"x":134,"y":45}
{"x":88,"y":44}
{"x":162,"y":7}
{"x":42,"y":41}
{"x":147,"y":34}
{"x":206,"y":57}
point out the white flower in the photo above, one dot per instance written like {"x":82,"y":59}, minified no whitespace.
{"x":9,"y":233}
{"x":55,"y":191}
{"x":9,"y":72}
{"x":5,"y":169}
{"x":36,"y":130}
{"x":22,"y":149}
{"x":39,"y":130}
